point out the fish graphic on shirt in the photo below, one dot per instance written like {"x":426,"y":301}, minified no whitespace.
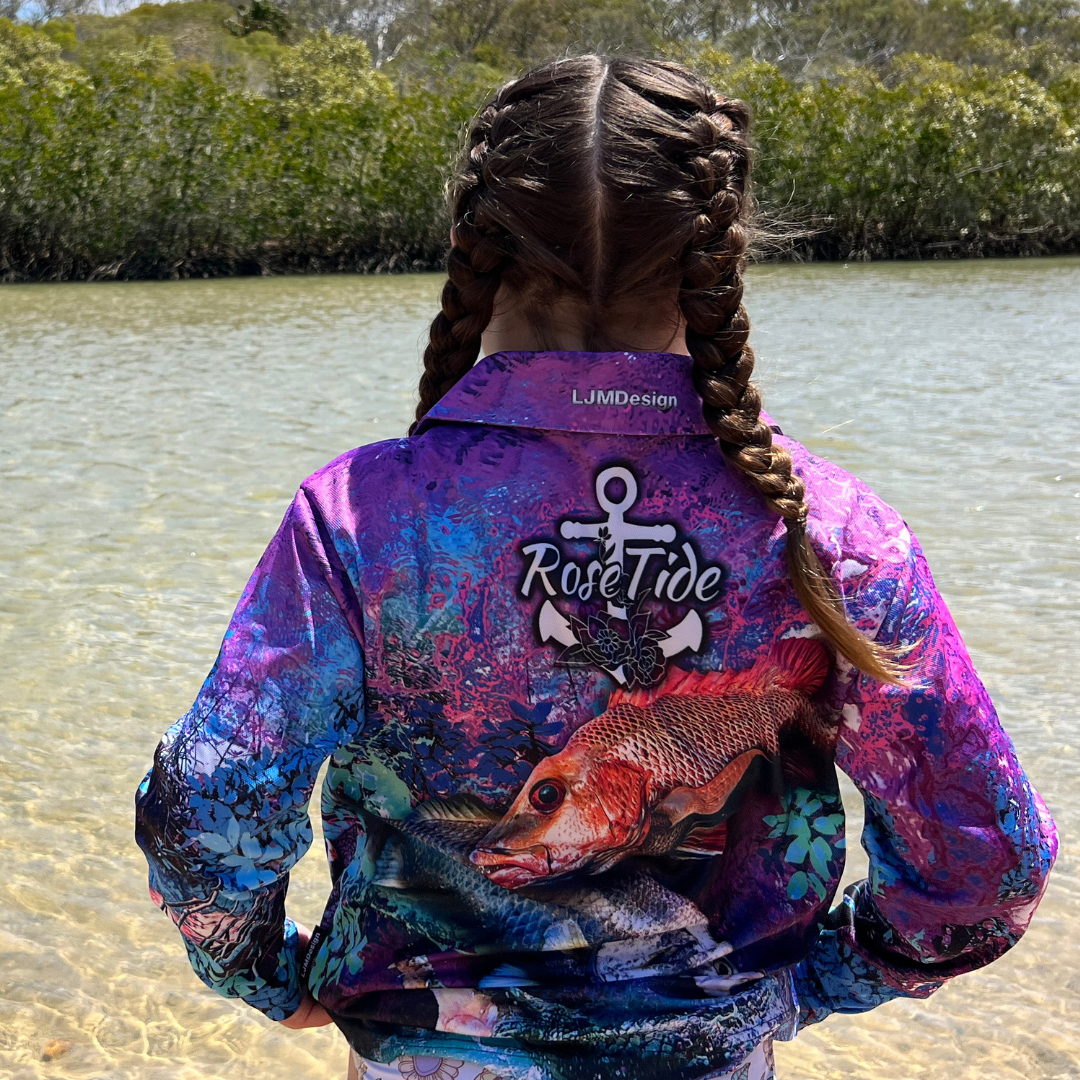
{"x":629,"y":923}
{"x":423,"y":879}
{"x":656,"y":772}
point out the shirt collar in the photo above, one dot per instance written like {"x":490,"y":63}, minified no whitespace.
{"x":612,"y":393}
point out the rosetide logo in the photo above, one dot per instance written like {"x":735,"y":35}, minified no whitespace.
{"x":638,"y":569}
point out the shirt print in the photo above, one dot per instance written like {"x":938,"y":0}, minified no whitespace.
{"x":582,"y":808}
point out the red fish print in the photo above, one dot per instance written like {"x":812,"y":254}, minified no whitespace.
{"x":654,"y":767}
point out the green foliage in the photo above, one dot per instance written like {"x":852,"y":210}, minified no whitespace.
{"x":926,"y":158}
{"x":259,"y":16}
{"x":328,"y":69}
{"x":513,"y":34}
{"x":162,"y":142}
{"x":144,"y":168}
{"x":28,"y":58}
{"x":192,"y":34}
{"x":805,"y":39}
{"x":811,"y":39}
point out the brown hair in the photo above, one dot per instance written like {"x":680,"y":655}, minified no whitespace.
{"x":615,"y":182}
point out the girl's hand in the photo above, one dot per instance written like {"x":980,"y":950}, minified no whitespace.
{"x":310,"y":1014}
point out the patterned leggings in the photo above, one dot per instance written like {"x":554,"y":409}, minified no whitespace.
{"x":758,"y":1066}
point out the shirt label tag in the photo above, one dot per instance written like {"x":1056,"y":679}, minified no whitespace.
{"x":621,"y":398}
{"x":313,"y":947}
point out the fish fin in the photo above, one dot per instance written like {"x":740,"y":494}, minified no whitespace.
{"x":705,"y":841}
{"x":606,"y":861}
{"x":643,"y":698}
{"x":709,"y":799}
{"x":666,"y":953}
{"x":797,"y":771}
{"x":390,"y":867}
{"x":799,"y":664}
{"x":713,"y":948}
{"x":461,"y":807}
{"x":564,"y":935}
{"x":620,"y":786}
{"x":506,"y":975}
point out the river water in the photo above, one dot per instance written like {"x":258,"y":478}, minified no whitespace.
{"x":151,"y":436}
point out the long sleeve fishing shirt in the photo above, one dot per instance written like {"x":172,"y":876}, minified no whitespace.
{"x":581,"y":810}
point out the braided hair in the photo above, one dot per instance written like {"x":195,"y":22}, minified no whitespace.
{"x":615,"y":182}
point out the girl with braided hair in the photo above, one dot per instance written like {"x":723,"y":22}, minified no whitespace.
{"x":585,"y":649}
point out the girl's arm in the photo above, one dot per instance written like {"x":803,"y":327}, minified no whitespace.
{"x":222,"y":816}
{"x":960,"y":844}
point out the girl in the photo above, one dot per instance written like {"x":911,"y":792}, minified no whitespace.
{"x":584,"y":650}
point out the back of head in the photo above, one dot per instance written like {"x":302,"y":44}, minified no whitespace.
{"x":608,"y":183}
{"x":609,"y":186}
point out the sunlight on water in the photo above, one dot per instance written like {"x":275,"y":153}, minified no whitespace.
{"x":150,"y":438}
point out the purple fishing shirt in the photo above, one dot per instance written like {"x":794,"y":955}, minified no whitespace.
{"x":581,"y":810}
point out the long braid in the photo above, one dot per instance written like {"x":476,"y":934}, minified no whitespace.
{"x":717,"y":336}
{"x":474,"y":268}
{"x":500,"y":172}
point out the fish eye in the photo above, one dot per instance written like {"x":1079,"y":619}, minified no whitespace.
{"x":547,"y":796}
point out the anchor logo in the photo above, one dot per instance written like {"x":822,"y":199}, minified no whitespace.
{"x":621,"y":639}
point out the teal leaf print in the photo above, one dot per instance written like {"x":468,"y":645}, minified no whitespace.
{"x":797,"y":886}
{"x":820,"y":854}
{"x":797,"y":851}
{"x":799,"y":827}
{"x":812,"y":838}
{"x":827,"y":826}
{"x":213,"y":842}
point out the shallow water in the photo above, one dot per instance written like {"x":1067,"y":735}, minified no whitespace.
{"x":150,"y":438}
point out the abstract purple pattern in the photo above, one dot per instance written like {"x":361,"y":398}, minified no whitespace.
{"x":582,"y":803}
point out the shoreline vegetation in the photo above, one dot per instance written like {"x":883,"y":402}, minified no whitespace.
{"x":199,"y":138}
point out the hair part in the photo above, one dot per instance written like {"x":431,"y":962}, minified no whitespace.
{"x":615,"y":182}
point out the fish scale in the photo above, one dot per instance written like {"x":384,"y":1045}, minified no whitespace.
{"x":664,"y":1026}
{"x":687,"y":740}
{"x":628,"y":902}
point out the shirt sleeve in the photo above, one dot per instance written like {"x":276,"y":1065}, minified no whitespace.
{"x":222,"y":815}
{"x":960,"y":844}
